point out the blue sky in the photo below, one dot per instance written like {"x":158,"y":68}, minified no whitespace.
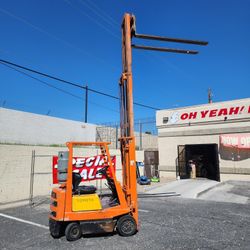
{"x":79,"y":40}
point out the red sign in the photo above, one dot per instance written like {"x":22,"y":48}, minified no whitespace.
{"x":241,"y":141}
{"x":87,"y":167}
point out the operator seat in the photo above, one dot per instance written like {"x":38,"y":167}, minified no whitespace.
{"x":76,"y":179}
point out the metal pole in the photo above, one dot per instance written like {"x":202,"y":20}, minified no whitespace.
{"x":86,"y":104}
{"x":209,"y":95}
{"x":140,"y":128}
{"x":32,"y":177}
{"x":116,"y":136}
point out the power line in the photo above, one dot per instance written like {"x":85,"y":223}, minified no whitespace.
{"x":100,"y":13}
{"x":65,"y":42}
{"x":92,"y":19}
{"x":59,"y":89}
{"x":42,"y":74}
{"x":43,"y":82}
{"x":71,"y":83}
{"x":101,"y":10}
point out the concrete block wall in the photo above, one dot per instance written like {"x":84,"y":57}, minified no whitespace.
{"x":15,"y":168}
{"x":22,"y":132}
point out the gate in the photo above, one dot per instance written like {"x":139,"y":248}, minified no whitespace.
{"x":181,"y":170}
{"x":151,"y":163}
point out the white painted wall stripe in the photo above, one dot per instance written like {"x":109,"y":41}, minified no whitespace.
{"x":24,"y":221}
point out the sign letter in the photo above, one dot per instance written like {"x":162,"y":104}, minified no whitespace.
{"x":184,"y":116}
{"x":204,"y":113}
{"x":212,"y":113}
{"x":234,"y":111}
{"x":192,"y":115}
{"x":222,"y":112}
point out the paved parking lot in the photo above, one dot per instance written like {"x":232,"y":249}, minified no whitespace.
{"x":165,"y":223}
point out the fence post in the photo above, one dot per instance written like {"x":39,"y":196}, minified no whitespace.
{"x":116,"y":136}
{"x":86,"y":104}
{"x":140,"y":129}
{"x":33,"y":156}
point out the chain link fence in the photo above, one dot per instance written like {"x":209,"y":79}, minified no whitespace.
{"x":144,"y":129}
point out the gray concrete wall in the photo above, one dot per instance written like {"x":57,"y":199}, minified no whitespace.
{"x":15,"y":168}
{"x":28,"y":128}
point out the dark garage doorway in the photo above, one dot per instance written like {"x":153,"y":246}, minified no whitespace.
{"x":205,"y":157}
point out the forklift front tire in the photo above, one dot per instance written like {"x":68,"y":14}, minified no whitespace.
{"x":55,"y":228}
{"x":126,"y":226}
{"x":73,"y":231}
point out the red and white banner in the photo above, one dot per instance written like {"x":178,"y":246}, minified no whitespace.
{"x":87,"y":167}
{"x":241,"y":141}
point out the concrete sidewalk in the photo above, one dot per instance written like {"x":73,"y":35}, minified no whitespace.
{"x":188,"y":188}
{"x":231,"y":191}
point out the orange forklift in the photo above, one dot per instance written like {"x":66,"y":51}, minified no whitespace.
{"x":77,"y":209}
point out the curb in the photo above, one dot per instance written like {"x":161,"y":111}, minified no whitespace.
{"x":154,"y":187}
{"x":208,"y":189}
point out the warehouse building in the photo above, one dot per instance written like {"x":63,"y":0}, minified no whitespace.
{"x":215,"y":136}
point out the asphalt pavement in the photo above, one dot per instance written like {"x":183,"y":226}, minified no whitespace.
{"x":165,"y":223}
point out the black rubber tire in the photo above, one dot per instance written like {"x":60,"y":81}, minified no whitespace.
{"x":126,"y":226}
{"x":55,"y":228}
{"x":86,"y":189}
{"x":73,"y":231}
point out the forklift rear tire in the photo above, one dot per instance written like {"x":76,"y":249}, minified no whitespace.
{"x":73,"y":231}
{"x":126,"y":226}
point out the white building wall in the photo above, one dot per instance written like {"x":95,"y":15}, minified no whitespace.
{"x":27,"y":128}
{"x":168,"y":154}
{"x":175,"y":131}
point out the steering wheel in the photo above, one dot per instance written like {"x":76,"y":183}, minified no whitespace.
{"x":103,"y":170}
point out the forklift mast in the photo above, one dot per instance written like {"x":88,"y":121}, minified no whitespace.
{"x":127,"y":139}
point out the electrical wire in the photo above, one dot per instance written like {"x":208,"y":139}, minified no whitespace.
{"x":70,"y":45}
{"x":59,"y":89}
{"x":72,"y":84}
{"x":100,"y":13}
{"x":37,"y":28}
{"x":43,"y":82}
{"x":92,"y":19}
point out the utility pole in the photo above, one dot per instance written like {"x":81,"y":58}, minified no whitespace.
{"x":86,"y":104}
{"x":210,"y":95}
{"x":3,"y":104}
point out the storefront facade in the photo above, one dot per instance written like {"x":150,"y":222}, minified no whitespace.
{"x":216,"y":136}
